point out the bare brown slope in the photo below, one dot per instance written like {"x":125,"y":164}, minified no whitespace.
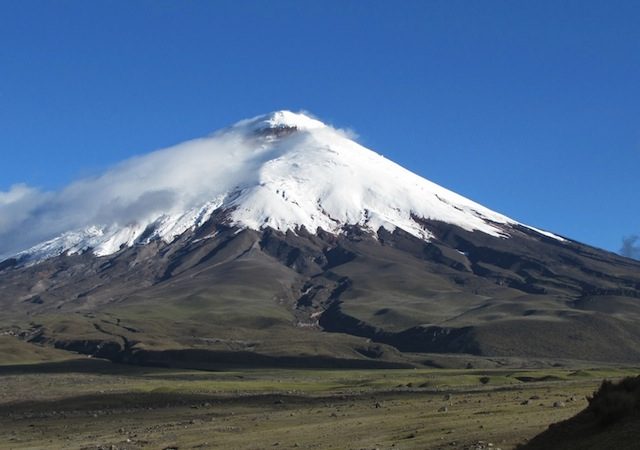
{"x":219,"y":289}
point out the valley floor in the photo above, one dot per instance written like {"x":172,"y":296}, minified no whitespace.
{"x":93,"y":404}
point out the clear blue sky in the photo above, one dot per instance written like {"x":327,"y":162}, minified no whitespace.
{"x":529,"y":107}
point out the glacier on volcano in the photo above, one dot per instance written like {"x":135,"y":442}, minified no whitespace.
{"x":281,"y":170}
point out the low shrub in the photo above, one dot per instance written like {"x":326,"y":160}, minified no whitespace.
{"x":614,"y":401}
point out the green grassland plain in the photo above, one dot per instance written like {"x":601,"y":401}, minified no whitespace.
{"x":56,"y":400}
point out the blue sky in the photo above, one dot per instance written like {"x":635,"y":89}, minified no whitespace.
{"x":530,"y":108}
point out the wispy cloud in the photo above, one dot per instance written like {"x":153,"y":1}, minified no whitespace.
{"x":138,"y":191}
{"x":631,"y":246}
{"x":135,"y":191}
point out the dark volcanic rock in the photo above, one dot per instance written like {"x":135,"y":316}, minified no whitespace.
{"x":218,"y":289}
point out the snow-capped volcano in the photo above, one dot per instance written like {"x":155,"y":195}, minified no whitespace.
{"x":282,"y":229}
{"x":283,"y":170}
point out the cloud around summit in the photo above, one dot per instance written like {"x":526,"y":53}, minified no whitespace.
{"x":136,"y":191}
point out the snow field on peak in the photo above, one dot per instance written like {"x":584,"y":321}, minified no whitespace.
{"x":315,"y":177}
{"x":324,"y":180}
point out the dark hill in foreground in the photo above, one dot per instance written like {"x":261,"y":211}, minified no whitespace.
{"x":611,"y":421}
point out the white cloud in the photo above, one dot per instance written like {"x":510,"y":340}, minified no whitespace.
{"x":631,"y":246}
{"x":17,"y":205}
{"x":135,"y":191}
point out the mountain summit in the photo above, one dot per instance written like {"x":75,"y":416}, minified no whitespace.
{"x":283,"y":171}
{"x":280,"y":120}
{"x":281,"y":241}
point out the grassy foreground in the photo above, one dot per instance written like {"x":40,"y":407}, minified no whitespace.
{"x":93,"y":404}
